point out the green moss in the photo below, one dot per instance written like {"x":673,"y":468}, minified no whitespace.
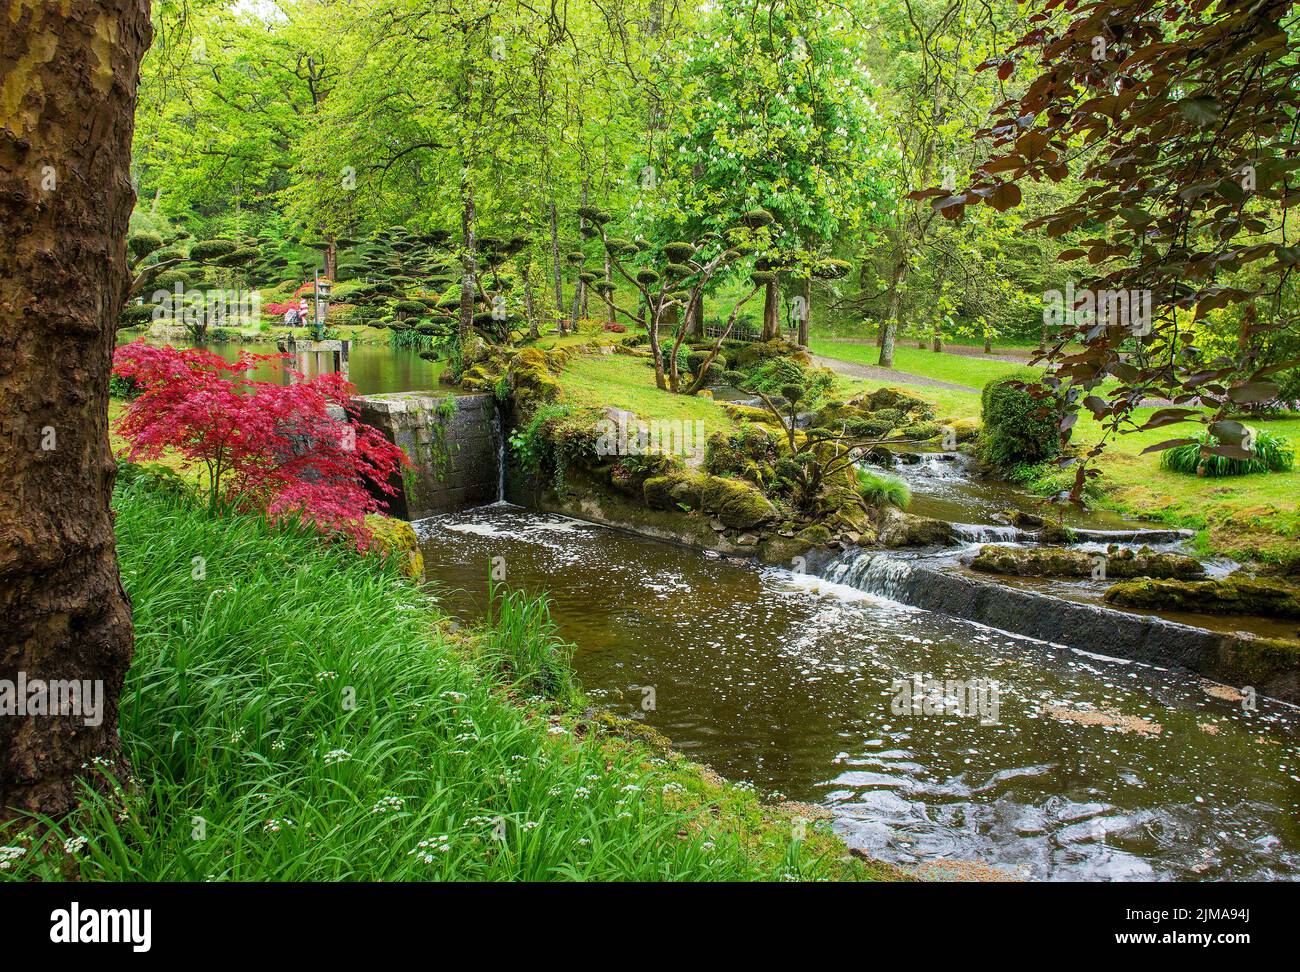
{"x":1063,"y":562}
{"x":395,"y":539}
{"x":738,"y":505}
{"x":1229,"y":595}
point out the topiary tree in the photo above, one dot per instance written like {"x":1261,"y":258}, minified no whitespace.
{"x":1019,"y":426}
{"x":684,"y":271}
{"x":157,"y":267}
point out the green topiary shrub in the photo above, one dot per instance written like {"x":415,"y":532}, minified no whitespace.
{"x":1018,"y":428}
{"x":1272,"y":454}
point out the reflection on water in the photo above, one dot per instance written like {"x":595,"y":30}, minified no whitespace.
{"x":373,"y":368}
{"x":788,"y":682}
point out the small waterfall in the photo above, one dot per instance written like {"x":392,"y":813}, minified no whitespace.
{"x":499,"y":437}
{"x":874,"y":573}
{"x":1033,"y":614}
{"x":989,"y":533}
{"x":934,"y":465}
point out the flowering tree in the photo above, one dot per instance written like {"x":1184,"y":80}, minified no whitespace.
{"x":262,"y":445}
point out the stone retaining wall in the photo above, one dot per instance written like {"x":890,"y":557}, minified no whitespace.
{"x":454,"y":449}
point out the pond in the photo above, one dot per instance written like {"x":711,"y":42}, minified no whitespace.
{"x":1072,"y":766}
{"x":374,"y":368}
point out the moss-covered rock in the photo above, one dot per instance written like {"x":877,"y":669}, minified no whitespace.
{"x":736,"y":504}
{"x":899,"y":529}
{"x":395,"y":540}
{"x":1063,"y":562}
{"x":753,"y":355}
{"x":965,"y":430}
{"x":531,"y":379}
{"x":1229,"y":595}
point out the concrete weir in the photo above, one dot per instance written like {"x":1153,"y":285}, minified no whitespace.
{"x":1237,"y":659}
{"x":454,"y":443}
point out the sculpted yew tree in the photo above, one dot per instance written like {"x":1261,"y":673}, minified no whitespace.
{"x":68,"y":77}
{"x":1181,"y":118}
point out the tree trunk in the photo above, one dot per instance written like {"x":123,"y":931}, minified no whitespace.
{"x":555,"y":264}
{"x":65,"y":198}
{"x":771,"y":311}
{"x":695,"y":317}
{"x":530,"y":305}
{"x":331,"y":260}
{"x":469,"y":259}
{"x":806,"y":317}
{"x":894,"y":318}
{"x":609,"y":293}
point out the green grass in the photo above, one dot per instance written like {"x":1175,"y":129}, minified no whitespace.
{"x":623,"y":381}
{"x":958,"y":369}
{"x":881,"y":490}
{"x":295,"y":712}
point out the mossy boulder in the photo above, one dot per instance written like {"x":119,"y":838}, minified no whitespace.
{"x":1229,"y":595}
{"x":395,"y":540}
{"x":965,"y":430}
{"x":1063,"y":562}
{"x":899,"y":529}
{"x":531,"y":379}
{"x":736,"y":504}
{"x":753,"y":355}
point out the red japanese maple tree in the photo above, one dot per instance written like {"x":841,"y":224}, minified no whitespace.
{"x":264,"y":446}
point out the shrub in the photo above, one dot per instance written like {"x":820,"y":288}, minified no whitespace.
{"x":263,"y":446}
{"x":774,"y":375}
{"x":880,"y":490}
{"x":119,"y":386}
{"x":1272,"y":454}
{"x":1018,"y":428}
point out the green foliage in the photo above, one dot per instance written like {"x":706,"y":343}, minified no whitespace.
{"x":877,"y":489}
{"x":522,"y":643}
{"x":775,"y":375}
{"x":530,"y":444}
{"x":1018,"y":428}
{"x":1272,"y":453}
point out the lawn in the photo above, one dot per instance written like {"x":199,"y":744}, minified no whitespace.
{"x":958,"y":369}
{"x":624,"y":381}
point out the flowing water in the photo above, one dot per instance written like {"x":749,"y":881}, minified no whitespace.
{"x":942,"y":487}
{"x":1073,"y":766}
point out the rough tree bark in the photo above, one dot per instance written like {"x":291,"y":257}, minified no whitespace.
{"x":68,"y":78}
{"x":469,"y":259}
{"x":771,"y":311}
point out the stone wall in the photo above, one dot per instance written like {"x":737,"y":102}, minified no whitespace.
{"x":453,"y":442}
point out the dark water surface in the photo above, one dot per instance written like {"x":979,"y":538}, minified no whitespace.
{"x":373,"y":368}
{"x":788,"y":682}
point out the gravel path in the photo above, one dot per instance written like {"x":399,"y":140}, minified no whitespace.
{"x":887,"y":375}
{"x":1014,"y":355}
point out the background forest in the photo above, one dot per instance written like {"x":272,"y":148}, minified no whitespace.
{"x":294,"y":124}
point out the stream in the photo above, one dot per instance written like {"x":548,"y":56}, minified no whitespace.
{"x":1073,"y":766}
